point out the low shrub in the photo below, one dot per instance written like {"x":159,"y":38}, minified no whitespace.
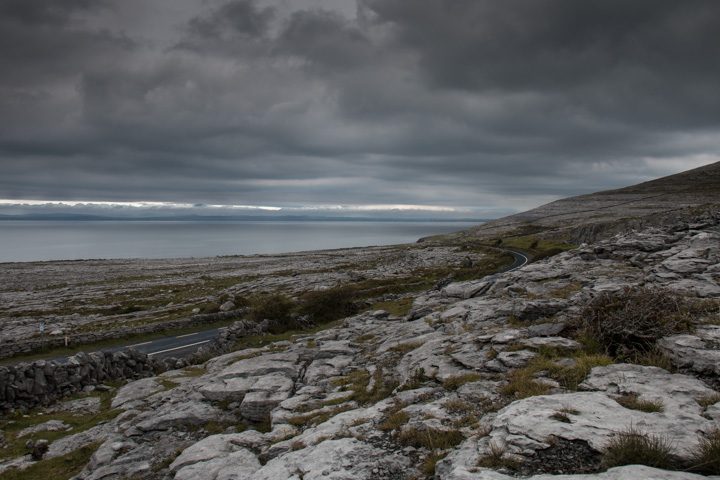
{"x":272,"y":307}
{"x":632,"y":321}
{"x":328,"y":305}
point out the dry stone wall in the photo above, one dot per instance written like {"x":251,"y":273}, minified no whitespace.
{"x":28,"y":385}
{"x":42,"y":382}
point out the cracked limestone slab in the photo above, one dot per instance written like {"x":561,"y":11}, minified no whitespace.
{"x":343,"y":459}
{"x":285,"y":363}
{"x":596,"y":417}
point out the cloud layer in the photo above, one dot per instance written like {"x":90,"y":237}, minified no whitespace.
{"x":476,"y":105}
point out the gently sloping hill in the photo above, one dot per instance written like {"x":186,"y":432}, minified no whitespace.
{"x":589,"y":217}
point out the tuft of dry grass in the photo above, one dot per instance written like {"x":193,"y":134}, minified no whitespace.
{"x":394,"y":421}
{"x":708,"y":400}
{"x":496,"y":457}
{"x":706,"y":459}
{"x":634,"y":446}
{"x":634,"y":402}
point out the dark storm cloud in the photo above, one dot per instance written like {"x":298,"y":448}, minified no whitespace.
{"x":441,"y":102}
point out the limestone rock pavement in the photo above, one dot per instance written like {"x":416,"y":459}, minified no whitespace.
{"x":431,"y":394}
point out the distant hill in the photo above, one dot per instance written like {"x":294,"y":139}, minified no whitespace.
{"x":586,"y":218}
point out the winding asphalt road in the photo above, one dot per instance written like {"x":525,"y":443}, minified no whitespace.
{"x":182,"y":345}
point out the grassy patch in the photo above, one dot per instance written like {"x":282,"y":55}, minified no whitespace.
{"x":458,"y":407}
{"x":398,"y":308}
{"x":571,"y":377}
{"x":538,"y":247}
{"x":394,"y":421}
{"x":366,"y":338}
{"x":317,"y":417}
{"x":15,"y":447}
{"x":566,"y":291}
{"x":430,"y":438}
{"x":455,"y":382}
{"x":523,"y":384}
{"x":358,"y":382}
{"x":58,"y":468}
{"x":404,"y":348}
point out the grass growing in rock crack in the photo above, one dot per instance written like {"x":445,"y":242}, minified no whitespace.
{"x":523,"y":382}
{"x":496,"y":459}
{"x":359,"y":383}
{"x":430,"y":438}
{"x":415,"y":381}
{"x":458,"y":407}
{"x":569,"y":376}
{"x":395,"y":419}
{"x":708,"y":400}
{"x":634,"y":402}
{"x":317,"y":417}
{"x":706,"y":459}
{"x":634,"y":446}
{"x":398,"y":308}
{"x":457,"y":381}
{"x":651,"y":358}
{"x":404,"y":348}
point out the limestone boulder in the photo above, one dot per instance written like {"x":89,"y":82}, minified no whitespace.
{"x":266,"y":394}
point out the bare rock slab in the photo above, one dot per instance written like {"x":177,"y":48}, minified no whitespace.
{"x":344,"y":459}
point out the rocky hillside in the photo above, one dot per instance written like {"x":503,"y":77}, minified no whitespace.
{"x":587,"y":218}
{"x":602,"y":362}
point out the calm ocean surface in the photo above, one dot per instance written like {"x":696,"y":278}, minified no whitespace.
{"x":28,"y":241}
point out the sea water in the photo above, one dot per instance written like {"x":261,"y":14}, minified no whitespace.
{"x":28,"y":241}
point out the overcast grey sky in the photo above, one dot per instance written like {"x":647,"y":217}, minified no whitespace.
{"x":481,"y":106}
